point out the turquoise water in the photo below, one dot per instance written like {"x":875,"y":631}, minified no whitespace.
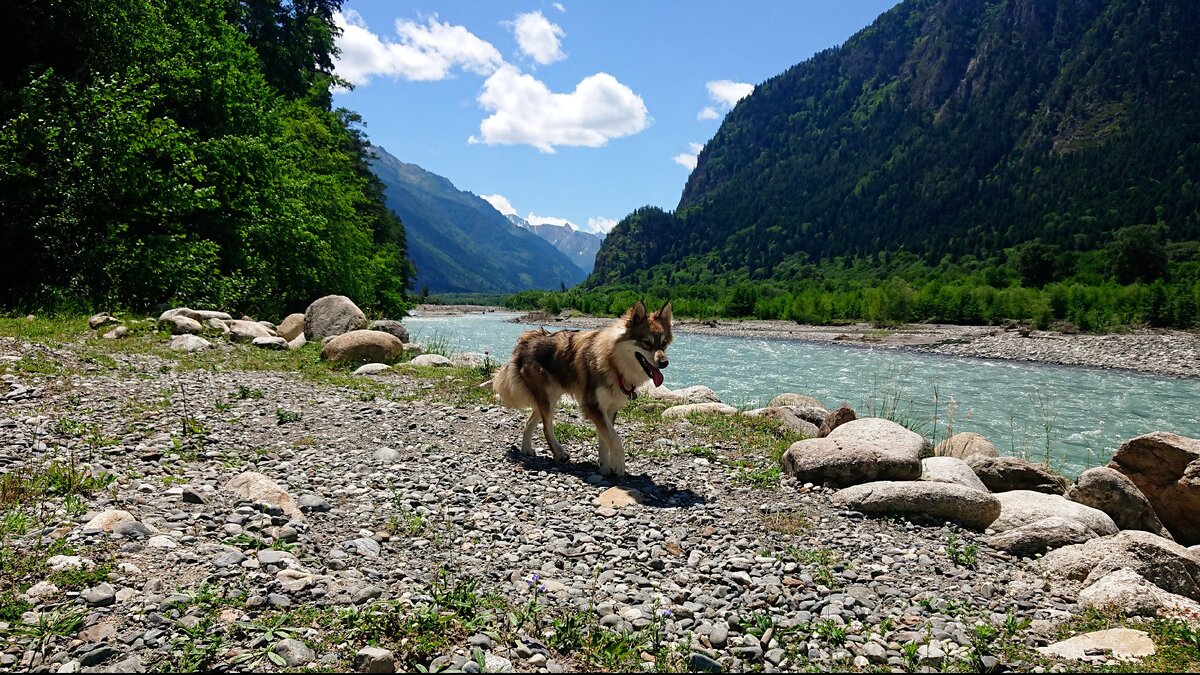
{"x":1073,"y":417}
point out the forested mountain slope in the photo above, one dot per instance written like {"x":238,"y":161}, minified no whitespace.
{"x":460,"y":243}
{"x":946,"y":128}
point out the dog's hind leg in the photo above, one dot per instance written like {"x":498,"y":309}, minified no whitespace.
{"x":556,"y":448}
{"x":527,"y":438}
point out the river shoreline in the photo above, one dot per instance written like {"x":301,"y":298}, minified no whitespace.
{"x":1170,"y":353}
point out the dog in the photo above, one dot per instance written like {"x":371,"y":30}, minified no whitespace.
{"x":601,"y":369}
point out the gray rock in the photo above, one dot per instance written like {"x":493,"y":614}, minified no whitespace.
{"x":116,"y":333}
{"x":132,"y":529}
{"x":332,"y":315}
{"x":1042,"y":535}
{"x":393,"y":327}
{"x":1115,"y":494}
{"x":181,"y":325}
{"x":788,"y":419}
{"x":188,"y":343}
{"x":964,"y":445}
{"x":436,"y":360}
{"x":1164,"y":467}
{"x":1005,"y":474}
{"x":1130,"y":593}
{"x":680,"y":411}
{"x":1159,"y":561}
{"x":276,"y":343}
{"x":97,"y":321}
{"x":247,"y":331}
{"x":950,"y":470}
{"x":363,"y":345}
{"x":101,"y":595}
{"x":291,"y":327}
{"x":700,"y":663}
{"x":294,"y":652}
{"x":1019,"y":508}
{"x":257,"y":487}
{"x":313,"y":504}
{"x":947,"y":501}
{"x":858,"y":451}
{"x":372,"y":369}
{"x":374,"y":660}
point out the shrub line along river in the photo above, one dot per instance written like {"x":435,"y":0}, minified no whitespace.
{"x":1071,"y":417}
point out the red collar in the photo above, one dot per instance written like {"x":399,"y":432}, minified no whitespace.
{"x":630,"y":391}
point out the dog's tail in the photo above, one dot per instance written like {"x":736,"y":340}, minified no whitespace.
{"x":508,"y":384}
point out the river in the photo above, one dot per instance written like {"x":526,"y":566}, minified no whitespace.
{"x":1073,"y":418}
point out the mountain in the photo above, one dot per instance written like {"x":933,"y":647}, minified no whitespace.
{"x":579,"y":246}
{"x":459,"y":243}
{"x":947,"y":128}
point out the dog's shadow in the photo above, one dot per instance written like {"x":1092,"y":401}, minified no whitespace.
{"x":654,"y":494}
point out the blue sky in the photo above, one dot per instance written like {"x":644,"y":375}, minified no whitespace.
{"x":576,"y":111}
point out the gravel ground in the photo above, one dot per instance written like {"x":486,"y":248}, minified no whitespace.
{"x":406,"y":490}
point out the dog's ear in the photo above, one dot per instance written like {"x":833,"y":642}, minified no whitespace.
{"x":664,"y":314}
{"x":636,"y":314}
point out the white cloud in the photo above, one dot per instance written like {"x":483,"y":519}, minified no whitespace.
{"x":424,"y":52}
{"x":559,"y":7}
{"x":525,"y":111}
{"x":538,"y":39}
{"x":500,"y":203}
{"x":535,"y":219}
{"x":727,"y":92}
{"x":688,"y":159}
{"x":601,"y":225}
{"x":724,"y":94}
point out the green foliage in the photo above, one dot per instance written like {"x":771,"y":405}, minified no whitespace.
{"x":176,"y":152}
{"x":967,"y":555}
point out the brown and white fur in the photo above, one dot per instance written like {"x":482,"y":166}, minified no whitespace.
{"x":598,"y":368}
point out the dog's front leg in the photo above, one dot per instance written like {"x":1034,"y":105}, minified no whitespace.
{"x":612,"y":454}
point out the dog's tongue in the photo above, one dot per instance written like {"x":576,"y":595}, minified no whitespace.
{"x":656,"y":375}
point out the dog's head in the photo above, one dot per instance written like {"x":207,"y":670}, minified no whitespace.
{"x":648,"y":335}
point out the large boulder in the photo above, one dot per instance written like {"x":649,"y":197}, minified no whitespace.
{"x":950,"y":470}
{"x":1042,"y":535}
{"x":179,"y":324}
{"x":1113,"y":493}
{"x":256,"y":487}
{"x":859,"y":451}
{"x":1119,"y":643}
{"x":291,"y":326}
{"x":1129,"y":593}
{"x":964,"y":445}
{"x":1022,"y":507}
{"x":946,"y":501}
{"x":245,"y":331}
{"x":391,"y":326}
{"x":1163,"y":563}
{"x":1166,"y":468}
{"x":787,"y":418}
{"x":363,"y":345}
{"x":332,"y":315}
{"x":197,"y":315}
{"x":1003,"y":474}
{"x":835,"y":419}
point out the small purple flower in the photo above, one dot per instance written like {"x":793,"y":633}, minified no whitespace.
{"x":666,"y":613}
{"x":534,"y":580}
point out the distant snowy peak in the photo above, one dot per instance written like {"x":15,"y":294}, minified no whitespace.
{"x":579,"y":246}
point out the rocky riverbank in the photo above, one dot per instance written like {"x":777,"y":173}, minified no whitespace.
{"x":244,"y":509}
